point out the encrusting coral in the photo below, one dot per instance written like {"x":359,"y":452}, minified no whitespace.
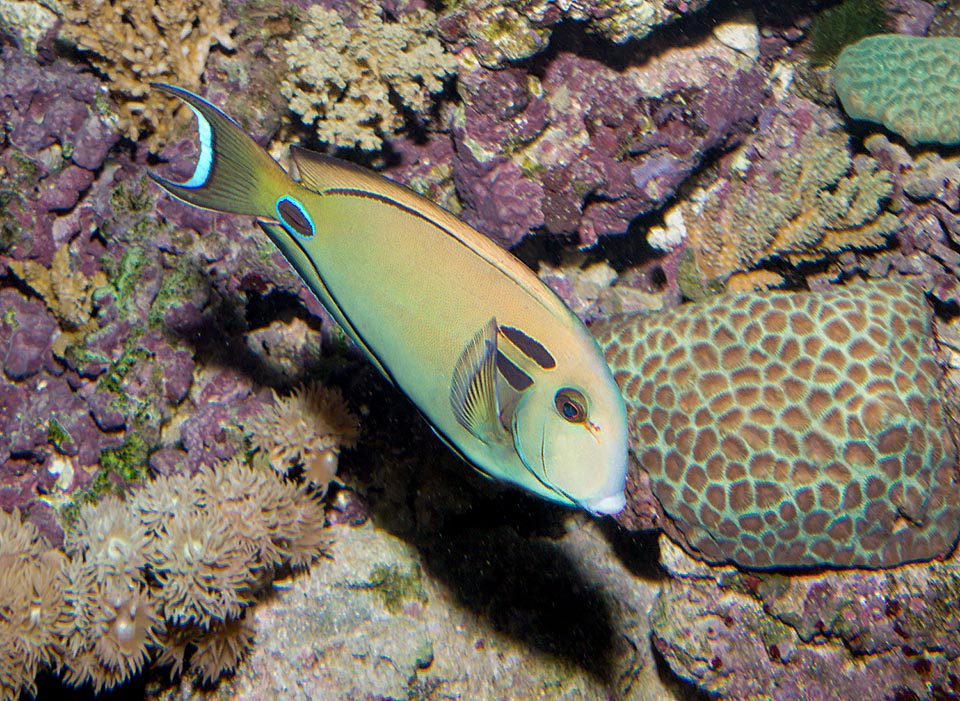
{"x":170,"y":570}
{"x":306,"y":428}
{"x":343,"y":78}
{"x":136,"y":43}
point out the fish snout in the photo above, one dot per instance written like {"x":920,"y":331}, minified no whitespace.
{"x":608,"y":505}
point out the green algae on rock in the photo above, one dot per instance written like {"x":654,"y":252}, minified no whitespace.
{"x":787,"y":429}
{"x":905,"y":83}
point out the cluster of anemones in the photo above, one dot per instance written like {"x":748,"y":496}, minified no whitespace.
{"x":165,"y":575}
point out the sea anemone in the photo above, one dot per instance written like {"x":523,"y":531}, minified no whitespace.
{"x":307,"y":428}
{"x":222,"y":650}
{"x":252,"y":503}
{"x":165,"y":498}
{"x":111,"y":627}
{"x":110,"y":534}
{"x":31,"y":603}
{"x":203,"y":572}
{"x":15,"y":675}
{"x":128,"y":624}
{"x":274,"y":519}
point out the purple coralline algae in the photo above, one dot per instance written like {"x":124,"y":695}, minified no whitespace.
{"x":926,"y":198}
{"x":587,"y":148}
{"x":834,"y":635}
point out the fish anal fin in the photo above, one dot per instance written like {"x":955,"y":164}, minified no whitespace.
{"x":473,"y":389}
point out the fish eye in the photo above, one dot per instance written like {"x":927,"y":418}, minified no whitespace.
{"x":571,"y":405}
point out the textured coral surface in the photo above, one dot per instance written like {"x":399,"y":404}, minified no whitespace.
{"x":346,"y":79}
{"x":785,"y":429}
{"x":906,"y":83}
{"x":793,"y":191}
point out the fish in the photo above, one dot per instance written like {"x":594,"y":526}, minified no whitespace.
{"x":502,"y":371}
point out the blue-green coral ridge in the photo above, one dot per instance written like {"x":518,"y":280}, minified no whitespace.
{"x":906,"y":83}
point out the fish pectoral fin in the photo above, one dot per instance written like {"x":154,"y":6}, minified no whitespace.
{"x":473,"y":390}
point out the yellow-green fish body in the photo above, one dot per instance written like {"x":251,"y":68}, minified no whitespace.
{"x":503,"y":371}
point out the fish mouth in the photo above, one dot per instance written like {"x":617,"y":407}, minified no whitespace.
{"x":608,"y":505}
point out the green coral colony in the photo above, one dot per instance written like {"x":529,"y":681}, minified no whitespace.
{"x":906,"y":83}
{"x":785,"y":429}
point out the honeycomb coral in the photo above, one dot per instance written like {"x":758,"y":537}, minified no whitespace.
{"x":904,"y":82}
{"x":785,"y":429}
{"x":343,"y":78}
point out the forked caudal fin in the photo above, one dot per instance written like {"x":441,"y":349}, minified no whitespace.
{"x":234,"y":174}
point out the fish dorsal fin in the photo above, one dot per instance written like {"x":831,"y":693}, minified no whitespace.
{"x":320,"y":173}
{"x":473,"y":390}
{"x":326,"y":175}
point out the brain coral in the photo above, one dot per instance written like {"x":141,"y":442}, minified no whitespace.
{"x":904,"y":82}
{"x":783,"y":429}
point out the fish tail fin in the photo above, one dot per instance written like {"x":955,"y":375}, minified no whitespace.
{"x":234,"y":173}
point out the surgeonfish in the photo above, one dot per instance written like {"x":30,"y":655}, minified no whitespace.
{"x":503,"y":371}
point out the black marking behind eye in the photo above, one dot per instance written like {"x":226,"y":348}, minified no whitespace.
{"x":530,"y":347}
{"x":516,"y":377}
{"x":294,"y":217}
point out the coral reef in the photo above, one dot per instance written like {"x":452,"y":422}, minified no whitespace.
{"x":140,"y":338}
{"x":781,"y":430}
{"x":306,"y":429}
{"x":444,"y":613}
{"x":926,"y":198}
{"x":904,"y":83}
{"x":136,"y":43}
{"x":793,"y":191}
{"x":587,"y":148}
{"x":28,"y":22}
{"x":31,"y":604}
{"x":499,"y":33}
{"x":342,"y":78}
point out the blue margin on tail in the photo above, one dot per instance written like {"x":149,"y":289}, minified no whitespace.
{"x":205,"y":160}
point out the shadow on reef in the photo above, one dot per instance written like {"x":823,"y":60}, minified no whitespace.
{"x":219,"y":336}
{"x":491,"y":545}
{"x":495,"y":548}
{"x":528,"y":589}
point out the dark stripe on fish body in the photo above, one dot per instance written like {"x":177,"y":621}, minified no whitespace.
{"x":530,"y":347}
{"x":363,"y":341}
{"x":516,"y":377}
